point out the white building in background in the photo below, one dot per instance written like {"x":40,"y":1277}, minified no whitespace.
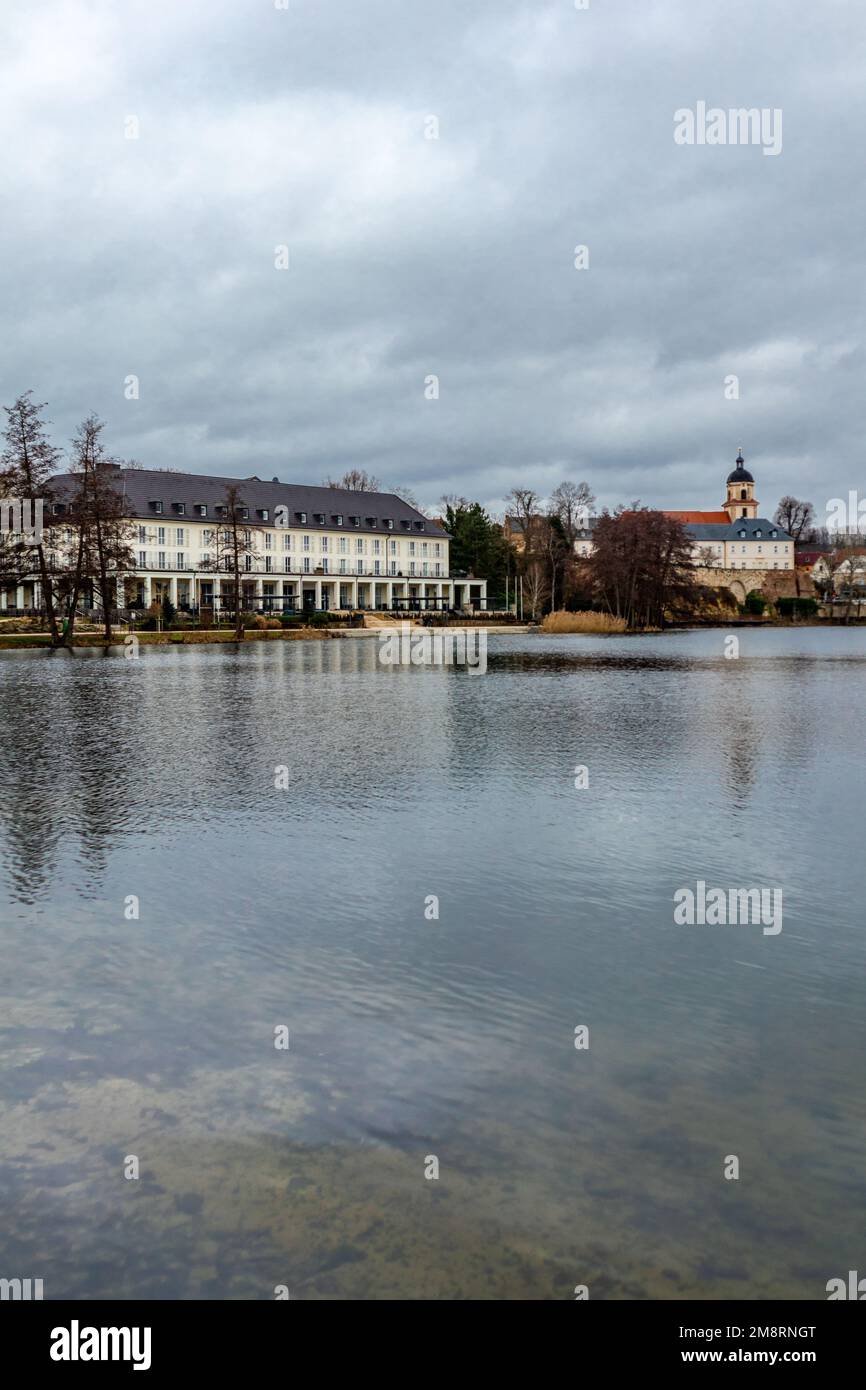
{"x":734,"y":537}
{"x":310,"y":547}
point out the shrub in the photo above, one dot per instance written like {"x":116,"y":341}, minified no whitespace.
{"x":796,"y":607}
{"x":755,"y":603}
{"x":583,"y":622}
{"x":169,"y":612}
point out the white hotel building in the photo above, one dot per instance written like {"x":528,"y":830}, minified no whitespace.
{"x":309,"y":547}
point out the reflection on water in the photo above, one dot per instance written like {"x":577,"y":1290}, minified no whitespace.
{"x":409,"y":1037}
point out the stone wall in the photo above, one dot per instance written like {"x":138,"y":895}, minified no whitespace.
{"x":772,"y":584}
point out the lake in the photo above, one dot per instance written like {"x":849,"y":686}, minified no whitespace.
{"x":166,"y":910}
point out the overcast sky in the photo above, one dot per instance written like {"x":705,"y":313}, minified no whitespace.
{"x":410,"y":257}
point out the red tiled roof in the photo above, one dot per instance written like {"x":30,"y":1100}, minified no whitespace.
{"x":702,"y":518}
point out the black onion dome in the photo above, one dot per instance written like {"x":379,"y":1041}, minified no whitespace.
{"x":740,"y":474}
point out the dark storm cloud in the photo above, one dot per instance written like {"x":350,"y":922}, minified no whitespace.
{"x":454,"y":257}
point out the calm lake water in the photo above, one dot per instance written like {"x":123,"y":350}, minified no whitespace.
{"x":453,"y":1037}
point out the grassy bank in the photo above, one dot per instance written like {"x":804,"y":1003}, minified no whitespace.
{"x":13,"y":641}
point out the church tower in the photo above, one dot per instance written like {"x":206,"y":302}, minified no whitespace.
{"x":741,"y":492}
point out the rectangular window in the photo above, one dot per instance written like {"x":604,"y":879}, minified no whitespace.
{"x":180,"y":563}
{"x":324,"y":544}
{"x":142,"y":560}
{"x":142,"y":535}
{"x":160,"y":535}
{"x":248,"y":562}
{"x":287,"y":564}
{"x":324,"y":565}
{"x":344,"y":545}
{"x":269,"y":564}
{"x":411,"y":547}
{"x":179,"y":540}
{"x":160,"y":560}
{"x":342,"y":566}
{"x":393,"y":566}
{"x":360,"y":567}
{"x":359,"y":546}
{"x":377,"y":546}
{"x":269,"y":540}
{"x":306,"y":542}
{"x":306,"y":564}
{"x":377,"y":567}
{"x":287,"y":541}
{"x":392,"y":546}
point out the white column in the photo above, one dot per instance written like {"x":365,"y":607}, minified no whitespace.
{"x":146,"y":582}
{"x":318,"y":587}
{"x":19,"y":596}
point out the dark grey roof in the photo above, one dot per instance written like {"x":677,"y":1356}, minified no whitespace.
{"x":709,"y":531}
{"x":143,"y":486}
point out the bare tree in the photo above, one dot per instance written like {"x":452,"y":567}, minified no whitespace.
{"x":354,"y":480}
{"x":524,"y":504}
{"x":103,"y":515}
{"x":232,"y":542}
{"x":27,"y":463}
{"x":796,"y":517}
{"x":571,"y":504}
{"x":536,"y":586}
{"x":642,"y":565}
{"x":407,"y":495}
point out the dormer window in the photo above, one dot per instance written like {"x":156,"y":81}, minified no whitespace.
{"x":221,"y":510}
{"x":302,"y":517}
{"x":264,"y":513}
{"x":243,"y":513}
{"x":337,"y":520}
{"x":371,"y":521}
{"x":773,"y":535}
{"x":355,"y":520}
{"x":200,"y":509}
{"x":758,"y":535}
{"x":320,"y":517}
{"x":389,"y":523}
{"x":157,"y":505}
{"x":180,"y":508}
{"x":419,"y":525}
{"x":742,"y":535}
{"x":406,"y":525}
{"x":59,"y":508}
